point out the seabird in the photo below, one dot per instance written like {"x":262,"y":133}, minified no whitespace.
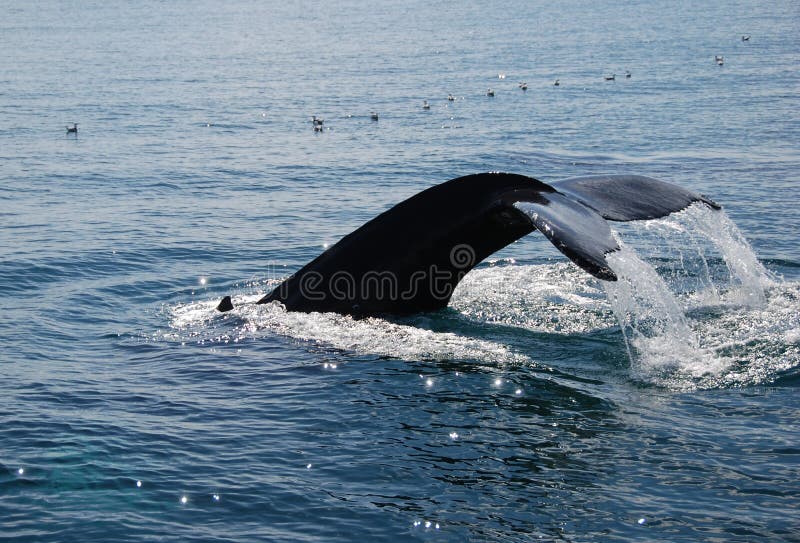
{"x":72,"y":129}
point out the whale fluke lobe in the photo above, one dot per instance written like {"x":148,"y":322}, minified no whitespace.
{"x":577,"y":231}
{"x":410,"y":258}
{"x":629,"y":197}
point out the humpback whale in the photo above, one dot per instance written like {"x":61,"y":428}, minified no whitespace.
{"x":410,"y":258}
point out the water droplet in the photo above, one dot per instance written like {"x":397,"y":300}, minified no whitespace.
{"x":215,"y":497}
{"x":642,"y":520}
{"x":518,"y":392}
{"x":498,"y":382}
{"x":427,"y":524}
{"x":184,"y":500}
{"x":21,"y":471}
{"x":453,"y":435}
{"x":308,"y":466}
{"x":429,"y":382}
{"x":138,"y":484}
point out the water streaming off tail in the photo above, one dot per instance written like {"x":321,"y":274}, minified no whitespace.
{"x":656,"y":329}
{"x":688,"y":272}
{"x":692,"y":246}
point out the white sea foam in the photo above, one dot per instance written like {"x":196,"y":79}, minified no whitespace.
{"x":369,"y":336}
{"x":554,"y":298}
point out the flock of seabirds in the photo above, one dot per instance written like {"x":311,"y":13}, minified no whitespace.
{"x":318,"y":123}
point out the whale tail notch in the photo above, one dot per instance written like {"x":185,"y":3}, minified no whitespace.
{"x":410,"y":258}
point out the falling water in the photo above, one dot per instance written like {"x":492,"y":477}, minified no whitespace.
{"x":747,"y":277}
{"x":651,"y":304}
{"x":693,"y":240}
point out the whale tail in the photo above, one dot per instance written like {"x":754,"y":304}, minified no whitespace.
{"x":410,"y":258}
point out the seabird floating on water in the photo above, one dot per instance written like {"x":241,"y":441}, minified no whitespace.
{"x":556,"y":83}
{"x":523,"y":86}
{"x":611,"y":77}
{"x":425,"y":104}
{"x":490,"y":92}
{"x":72,"y":129}
{"x":373,"y":116}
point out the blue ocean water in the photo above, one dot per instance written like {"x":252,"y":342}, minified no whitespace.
{"x":131,"y":411}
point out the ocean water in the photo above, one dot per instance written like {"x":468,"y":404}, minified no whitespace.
{"x":541,"y":405}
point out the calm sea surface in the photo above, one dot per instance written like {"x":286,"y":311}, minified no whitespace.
{"x":131,"y":411}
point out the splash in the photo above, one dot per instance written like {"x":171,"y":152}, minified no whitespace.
{"x":653,"y":322}
{"x":691,"y":316}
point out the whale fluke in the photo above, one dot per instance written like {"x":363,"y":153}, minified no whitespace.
{"x":410,"y":258}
